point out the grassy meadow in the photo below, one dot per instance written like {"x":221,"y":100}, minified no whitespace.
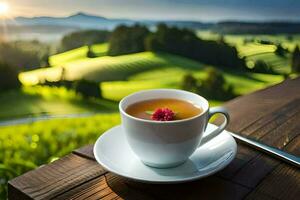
{"x":27,"y":146}
{"x":249,"y":48}
{"x":122,"y":75}
{"x":44,"y":100}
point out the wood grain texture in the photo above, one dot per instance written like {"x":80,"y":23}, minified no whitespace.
{"x":255,"y":170}
{"x":282,"y":183}
{"x":259,"y":196}
{"x":86,"y":151}
{"x":246,"y":109}
{"x":56,"y":178}
{"x":294,"y":146}
{"x":95,"y":189}
{"x":268,"y":122}
{"x":208,"y":188}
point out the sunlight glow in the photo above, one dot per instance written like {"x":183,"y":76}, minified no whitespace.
{"x":4,"y":8}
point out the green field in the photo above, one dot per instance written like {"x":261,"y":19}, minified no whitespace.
{"x":278,"y":63}
{"x":77,"y":54}
{"x":43,"y":100}
{"x":170,"y":77}
{"x":106,"y":68}
{"x":239,"y":39}
{"x":253,"y":51}
{"x":122,"y":75}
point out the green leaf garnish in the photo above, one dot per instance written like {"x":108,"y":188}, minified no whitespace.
{"x":149,"y":112}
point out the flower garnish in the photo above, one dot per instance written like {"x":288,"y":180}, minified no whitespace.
{"x":162,"y":114}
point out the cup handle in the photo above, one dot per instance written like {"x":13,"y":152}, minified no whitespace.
{"x":221,"y":128}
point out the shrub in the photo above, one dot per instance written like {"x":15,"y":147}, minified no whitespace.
{"x":214,"y":86}
{"x":84,"y":87}
{"x":280,"y":51}
{"x":87,"y":88}
{"x":296,"y":60}
{"x":263,"y":41}
{"x":261,"y":66}
{"x":189,"y":82}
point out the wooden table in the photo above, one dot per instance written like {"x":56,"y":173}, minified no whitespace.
{"x":271,"y":115}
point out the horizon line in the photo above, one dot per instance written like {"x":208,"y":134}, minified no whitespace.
{"x":148,"y":19}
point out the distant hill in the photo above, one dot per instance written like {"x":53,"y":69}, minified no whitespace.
{"x":86,"y":21}
{"x":235,"y":27}
{"x":80,"y":20}
{"x":39,"y":27}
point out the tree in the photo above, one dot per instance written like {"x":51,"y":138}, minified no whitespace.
{"x":81,"y":38}
{"x":185,"y":42}
{"x":127,"y":40}
{"x":296,"y":60}
{"x":8,"y":77}
{"x":45,"y":61}
{"x":90,"y":53}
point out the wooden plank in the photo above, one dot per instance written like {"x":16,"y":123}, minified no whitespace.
{"x":86,"y":151}
{"x":294,"y":146}
{"x":246,"y":109}
{"x":269,"y":122}
{"x":282,"y":183}
{"x":124,"y":188}
{"x":209,"y":188}
{"x":93,"y":189}
{"x":121,"y":186}
{"x":255,"y":170}
{"x":55,"y":178}
{"x":260,"y":196}
{"x":244,"y":155}
{"x":283,"y":133}
{"x":16,"y":193}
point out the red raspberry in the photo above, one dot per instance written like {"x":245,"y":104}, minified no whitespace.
{"x":163,"y":114}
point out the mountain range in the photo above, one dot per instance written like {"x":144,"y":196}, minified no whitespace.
{"x":81,"y":21}
{"x":86,"y":21}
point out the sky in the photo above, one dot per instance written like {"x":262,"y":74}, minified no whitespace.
{"x":199,"y":10}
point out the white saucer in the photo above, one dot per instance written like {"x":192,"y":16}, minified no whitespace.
{"x":114,"y":154}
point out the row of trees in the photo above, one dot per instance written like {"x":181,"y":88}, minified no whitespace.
{"x":127,"y":40}
{"x":184,"y":42}
{"x":81,"y":38}
{"x":19,"y":56}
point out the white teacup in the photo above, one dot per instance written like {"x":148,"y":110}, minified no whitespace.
{"x":165,"y":144}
